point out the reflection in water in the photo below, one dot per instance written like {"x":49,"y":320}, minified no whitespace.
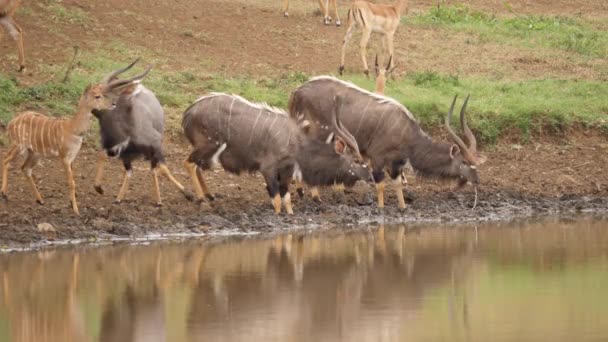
{"x":542,"y":281}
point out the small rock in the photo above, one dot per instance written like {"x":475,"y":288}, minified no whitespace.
{"x":45,"y":227}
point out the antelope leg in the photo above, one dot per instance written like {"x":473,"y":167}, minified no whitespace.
{"x":101,"y":160}
{"x":399,"y":189}
{"x":124,"y":187}
{"x":67,"y":165}
{"x":191,"y":169}
{"x":380,"y":191}
{"x":29,"y":163}
{"x":167,"y":173}
{"x":10,"y":155}
{"x":156,"y":186}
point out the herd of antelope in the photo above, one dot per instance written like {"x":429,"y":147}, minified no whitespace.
{"x":333,"y":132}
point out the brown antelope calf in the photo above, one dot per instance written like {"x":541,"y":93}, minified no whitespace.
{"x":324,"y":9}
{"x":37,"y":135}
{"x":7,"y":9}
{"x":379,"y":18}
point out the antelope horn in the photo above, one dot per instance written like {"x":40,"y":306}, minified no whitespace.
{"x":377,"y":66}
{"x":121,"y":83}
{"x":463,"y":148}
{"x":388,"y":66}
{"x":341,"y":131}
{"x":115,"y":73}
{"x":468,"y":135}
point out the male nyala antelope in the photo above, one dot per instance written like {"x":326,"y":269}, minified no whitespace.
{"x":324,"y":9}
{"x":245,"y":136}
{"x":132,"y":129}
{"x":387,"y":133}
{"x":7,"y":9}
{"x":370,"y":17}
{"x":382,"y":74}
{"x":39,"y":136}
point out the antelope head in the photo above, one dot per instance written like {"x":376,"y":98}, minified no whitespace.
{"x":115,"y":87}
{"x":382,"y":74}
{"x":465,"y":158}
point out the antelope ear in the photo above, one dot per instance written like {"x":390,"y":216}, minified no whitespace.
{"x":339,"y":145}
{"x":454,"y":150}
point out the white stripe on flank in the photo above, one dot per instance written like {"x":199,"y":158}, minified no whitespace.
{"x":257,"y":105}
{"x":31,"y":145}
{"x":378,"y":97}
{"x":230,"y":118}
{"x":255,"y":124}
{"x":215,"y":160}
{"x":362,"y":116}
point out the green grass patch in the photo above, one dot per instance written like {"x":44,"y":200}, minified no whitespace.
{"x":565,"y":33}
{"x":61,"y":13}
{"x":495,"y":106}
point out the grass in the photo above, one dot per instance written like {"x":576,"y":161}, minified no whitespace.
{"x":496,"y":107}
{"x":564,"y":33}
{"x":60,"y":13}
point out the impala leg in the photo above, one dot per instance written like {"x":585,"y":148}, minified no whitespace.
{"x":191,"y":169}
{"x":67,"y":165}
{"x":347,"y":36}
{"x":391,"y":49}
{"x":325,"y":10}
{"x":285,"y":8}
{"x":31,"y":161}
{"x":334,"y":2}
{"x":6,"y":163}
{"x":363,"y":48}
{"x":16,"y":33}
{"x":125,"y":183}
{"x":102,"y":157}
{"x":165,"y":170}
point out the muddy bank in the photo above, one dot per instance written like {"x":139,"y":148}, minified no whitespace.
{"x":545,"y":177}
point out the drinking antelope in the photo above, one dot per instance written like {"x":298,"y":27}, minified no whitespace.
{"x":387,"y":133}
{"x":370,"y":17}
{"x":382,"y":74}
{"x":245,"y":136}
{"x":7,"y":9}
{"x":37,"y":136}
{"x":324,"y":9}
{"x":132,"y":129}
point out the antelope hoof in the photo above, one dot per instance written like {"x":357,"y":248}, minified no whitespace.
{"x":210,"y":197}
{"x":327,"y":21}
{"x":317,"y":199}
{"x":189,"y":196}
{"x":158,"y":204}
{"x":300,"y":192}
{"x":285,"y":14}
{"x":99,"y":189}
{"x":338,"y":23}
{"x":21,"y":68}
{"x":4,"y":196}
{"x":366,"y":72}
{"x":41,"y":202}
{"x":341,"y":70}
{"x":117,"y":201}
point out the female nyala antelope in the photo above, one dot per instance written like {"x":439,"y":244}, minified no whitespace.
{"x":132,"y":129}
{"x":7,"y":9}
{"x":379,"y":18}
{"x":324,"y":9}
{"x":245,"y":136}
{"x":40,"y":136}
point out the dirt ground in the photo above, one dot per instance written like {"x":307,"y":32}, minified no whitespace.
{"x":553,"y":173}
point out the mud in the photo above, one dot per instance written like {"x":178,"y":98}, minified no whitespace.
{"x":517,"y":181}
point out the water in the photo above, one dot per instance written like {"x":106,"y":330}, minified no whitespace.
{"x":542,"y":281}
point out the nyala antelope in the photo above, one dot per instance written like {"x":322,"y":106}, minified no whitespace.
{"x":7,"y":9}
{"x":387,"y":133}
{"x":382,"y":74}
{"x":245,"y":136}
{"x":37,"y":135}
{"x":324,"y":9}
{"x":133,"y":128}
{"x":370,"y":17}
